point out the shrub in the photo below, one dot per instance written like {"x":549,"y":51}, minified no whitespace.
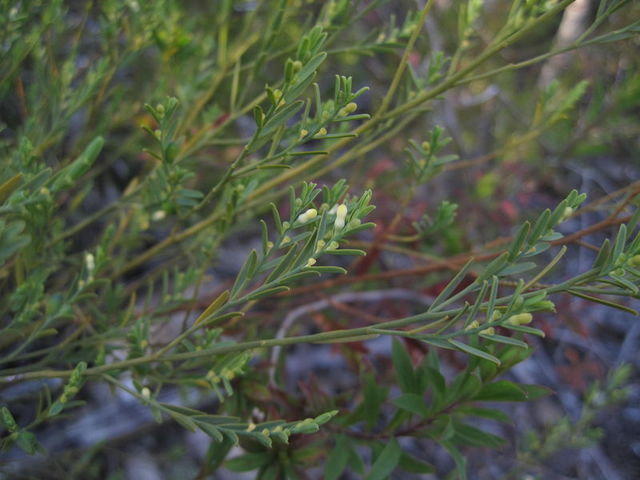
{"x":110,"y":233}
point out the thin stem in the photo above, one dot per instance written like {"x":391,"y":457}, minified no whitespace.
{"x":405,"y":59}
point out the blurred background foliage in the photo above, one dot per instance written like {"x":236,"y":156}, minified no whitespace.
{"x":513,"y":137}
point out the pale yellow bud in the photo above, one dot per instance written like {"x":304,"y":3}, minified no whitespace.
{"x":308,"y":215}
{"x":350,"y":107}
{"x":472,"y":325}
{"x":520,"y":319}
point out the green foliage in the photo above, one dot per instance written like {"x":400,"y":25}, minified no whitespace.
{"x":113,"y":213}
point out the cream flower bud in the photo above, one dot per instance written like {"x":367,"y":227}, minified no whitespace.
{"x":308,"y":215}
{"x":568,"y":211}
{"x":341,"y":214}
{"x":472,"y":325}
{"x":311,"y":262}
{"x":158,"y":215}
{"x":90,"y":262}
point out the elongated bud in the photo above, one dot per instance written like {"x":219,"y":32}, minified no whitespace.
{"x":350,"y":107}
{"x":635,"y":261}
{"x":520,"y":319}
{"x":341,"y":214}
{"x":308,"y":215}
{"x":472,"y":325}
{"x":566,"y":214}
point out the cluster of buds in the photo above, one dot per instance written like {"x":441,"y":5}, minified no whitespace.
{"x":475,"y":324}
{"x":226,"y":373}
{"x":278,"y":432}
{"x":308,"y":425}
{"x":70,"y":389}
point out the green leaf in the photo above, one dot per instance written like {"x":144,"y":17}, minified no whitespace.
{"x":474,"y":351}
{"x":472,"y":436}
{"x":505,"y":340}
{"x":506,"y":391}
{"x":411,"y":464}
{"x":436,"y":380}
{"x":519,"y":240}
{"x":458,"y":458}
{"x":524,"y":329}
{"x":403,"y":367}
{"x":267,"y":292}
{"x":328,"y":269}
{"x":184,"y":420}
{"x":284,"y":114}
{"x":535,"y":391}
{"x":248,"y":462}
{"x":283,"y":265}
{"x":501,"y":391}
{"x":245,"y":274}
{"x":374,"y":397}
{"x":337,"y":459}
{"x":602,"y":301}
{"x":347,"y":251}
{"x":27,"y":441}
{"x":213,"y":307}
{"x":8,"y":187}
{"x":451,"y":286}
{"x":386,"y":461}
{"x":518,"y":268}
{"x":490,"y":413}
{"x":310,"y":67}
{"x":210,"y":430}
{"x":412,"y":403}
